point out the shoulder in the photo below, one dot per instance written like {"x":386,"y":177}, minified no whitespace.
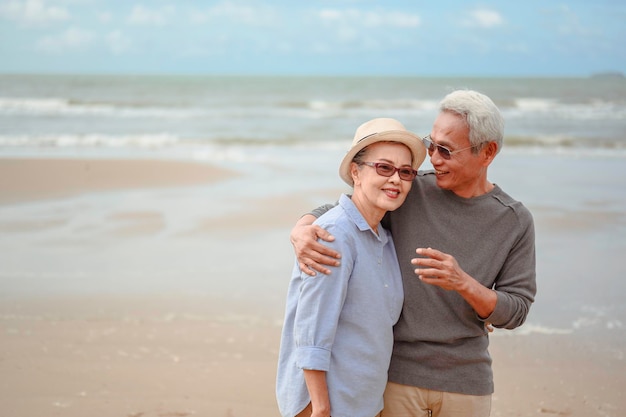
{"x":424,"y":178}
{"x":520,"y":210}
{"x":338,"y":223}
{"x":424,"y":182}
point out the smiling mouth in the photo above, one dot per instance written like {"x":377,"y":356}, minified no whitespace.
{"x":440,"y":172}
{"x":392,"y":193}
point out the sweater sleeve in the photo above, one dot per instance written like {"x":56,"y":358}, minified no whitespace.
{"x":317,"y":212}
{"x":516,"y":285}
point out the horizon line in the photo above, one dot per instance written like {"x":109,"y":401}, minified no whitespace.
{"x":600,"y":74}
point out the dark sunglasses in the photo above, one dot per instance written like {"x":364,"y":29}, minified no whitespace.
{"x":443,"y":151}
{"x":387,"y":170}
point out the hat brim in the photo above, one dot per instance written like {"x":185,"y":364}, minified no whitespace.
{"x":410,"y":140}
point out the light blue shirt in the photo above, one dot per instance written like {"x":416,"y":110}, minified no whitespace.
{"x":342,"y":323}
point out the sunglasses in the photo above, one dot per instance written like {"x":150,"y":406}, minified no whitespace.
{"x":443,"y":151}
{"x":387,"y":170}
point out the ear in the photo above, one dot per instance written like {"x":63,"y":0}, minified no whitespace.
{"x":354,"y":173}
{"x":489,"y":151}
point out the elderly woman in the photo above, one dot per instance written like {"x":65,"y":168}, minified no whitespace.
{"x":337,"y":336}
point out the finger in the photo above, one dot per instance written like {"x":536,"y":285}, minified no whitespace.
{"x":320,"y":253}
{"x":323,"y":254}
{"x":433,"y":281}
{"x":324,"y":250}
{"x":319,"y":268}
{"x":430,"y":253}
{"x":320,"y":262}
{"x":305,"y":268}
{"x":424,"y":263}
{"x":428,"y":273}
{"x":323,"y":234}
{"x":311,"y":267}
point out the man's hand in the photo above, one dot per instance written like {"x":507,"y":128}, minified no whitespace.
{"x":312,"y":255}
{"x":440,"y":269}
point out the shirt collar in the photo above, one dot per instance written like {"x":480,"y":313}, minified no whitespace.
{"x":357,"y":218}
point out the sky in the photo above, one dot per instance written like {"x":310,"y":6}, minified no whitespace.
{"x":293,"y":37}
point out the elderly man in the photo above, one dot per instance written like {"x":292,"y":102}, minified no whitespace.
{"x":467,"y":254}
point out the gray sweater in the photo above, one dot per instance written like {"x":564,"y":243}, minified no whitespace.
{"x":439,"y":342}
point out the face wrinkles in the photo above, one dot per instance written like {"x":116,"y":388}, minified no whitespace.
{"x":464,"y":173}
{"x":450,"y":130}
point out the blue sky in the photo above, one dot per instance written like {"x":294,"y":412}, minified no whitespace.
{"x":349,"y":37}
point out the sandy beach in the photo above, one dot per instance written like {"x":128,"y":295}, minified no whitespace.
{"x":33,"y":179}
{"x":137,"y":288}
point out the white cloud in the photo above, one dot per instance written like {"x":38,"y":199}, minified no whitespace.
{"x":141,"y":15}
{"x":347,"y":34}
{"x":484,"y":18}
{"x":234,"y":13}
{"x":105,"y":17}
{"x":370,"y":19}
{"x":330,"y":15}
{"x":363,"y":30}
{"x":406,"y":20}
{"x":72,"y":38}
{"x":32,"y":12}
{"x":117,"y":42}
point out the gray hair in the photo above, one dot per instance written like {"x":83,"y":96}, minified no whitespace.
{"x":482,"y":116}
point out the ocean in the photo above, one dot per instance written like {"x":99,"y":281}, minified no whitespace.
{"x":213,"y":118}
{"x":564,"y":156}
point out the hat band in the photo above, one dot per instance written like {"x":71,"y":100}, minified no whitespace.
{"x":365,"y":137}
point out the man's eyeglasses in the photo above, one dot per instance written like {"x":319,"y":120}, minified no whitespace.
{"x":443,"y":151}
{"x":387,"y":170}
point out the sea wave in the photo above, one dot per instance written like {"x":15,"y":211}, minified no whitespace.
{"x":372,"y":104}
{"x":530,"y":329}
{"x":66,"y":107}
{"x":519,"y":108}
{"x":563,"y":141}
{"x":89,"y":141}
{"x":578,"y":325}
{"x":594,"y":316}
{"x":547,"y":107}
{"x":55,"y":106}
{"x":168,"y":139}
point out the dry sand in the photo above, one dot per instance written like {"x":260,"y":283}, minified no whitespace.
{"x":183,"y":355}
{"x":152,"y":356}
{"x":30,"y":179}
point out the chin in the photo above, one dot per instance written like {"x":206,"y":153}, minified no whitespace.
{"x":393,"y":205}
{"x":443,"y":184}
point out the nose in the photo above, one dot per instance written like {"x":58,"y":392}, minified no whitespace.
{"x":395,"y":178}
{"x":435,"y":157}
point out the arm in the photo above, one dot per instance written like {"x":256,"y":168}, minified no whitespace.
{"x":312,"y":255}
{"x":318,"y":391}
{"x":320,"y":303}
{"x":506,"y":305}
{"x":442,"y":270}
{"x":516,"y":285}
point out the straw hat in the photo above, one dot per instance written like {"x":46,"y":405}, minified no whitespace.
{"x":382,"y":130}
